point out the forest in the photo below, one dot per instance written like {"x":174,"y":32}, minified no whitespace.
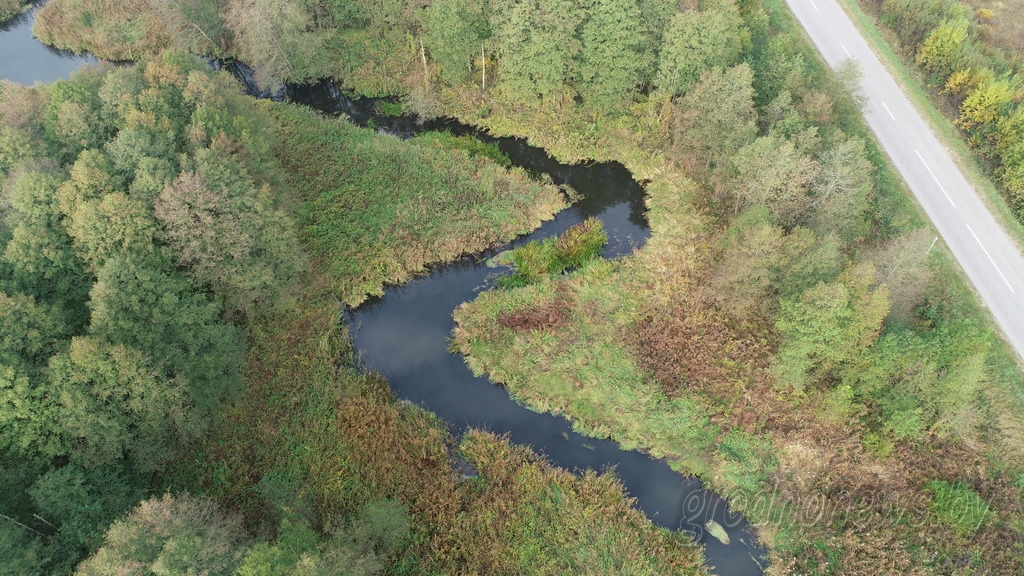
{"x":177,"y":386}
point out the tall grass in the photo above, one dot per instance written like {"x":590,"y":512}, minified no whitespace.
{"x":379,"y":209}
{"x":11,"y":8}
{"x":540,"y":259}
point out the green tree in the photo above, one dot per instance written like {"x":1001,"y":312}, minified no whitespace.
{"x":196,"y":25}
{"x":227,"y":232}
{"x":29,"y":334}
{"x":28,"y":419}
{"x":24,"y":554}
{"x":115,"y":225}
{"x":715,"y":118}
{"x":92,"y":177}
{"x":777,"y":67}
{"x":113,"y":403}
{"x":944,"y":50}
{"x":919,"y":382}
{"x":537,"y":45}
{"x":913,"y":20}
{"x":1009,"y":143}
{"x":828,"y":325}
{"x":82,"y":503}
{"x":39,"y":254}
{"x":655,"y":16}
{"x":987,"y":103}
{"x":170,"y":536}
{"x":158,"y":314}
{"x":74,"y":120}
{"x":610,"y":60}
{"x":279,"y":39}
{"x":751,"y":254}
{"x":15,"y":145}
{"x":772,"y":172}
{"x":697,"y":41}
{"x":454,"y":31}
{"x":151,"y":176}
{"x":902,"y":264}
{"x":842,"y":188}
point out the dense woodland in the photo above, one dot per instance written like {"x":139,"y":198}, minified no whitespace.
{"x":789,"y":329}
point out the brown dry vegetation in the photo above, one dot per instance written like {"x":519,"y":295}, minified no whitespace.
{"x":317,"y":436}
{"x":1003,"y":24}
{"x":550,"y":316}
{"x":120,"y":31}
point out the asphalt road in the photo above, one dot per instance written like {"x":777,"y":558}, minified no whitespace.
{"x":986,"y":253}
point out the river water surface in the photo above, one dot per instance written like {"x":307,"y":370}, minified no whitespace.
{"x":27,"y":61}
{"x":404,"y":334}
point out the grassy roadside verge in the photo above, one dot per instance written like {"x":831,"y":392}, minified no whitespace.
{"x":890,"y":185}
{"x":941,"y":125}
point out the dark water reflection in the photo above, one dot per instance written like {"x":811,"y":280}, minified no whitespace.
{"x":25,"y":60}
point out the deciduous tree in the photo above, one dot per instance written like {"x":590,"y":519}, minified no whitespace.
{"x":609,"y":61}
{"x":715,"y":118}
{"x":170,"y":535}
{"x":842,"y":188}
{"x":227,"y":232}
{"x":39,"y":254}
{"x":828,"y":325}
{"x":772,"y":172}
{"x":454,"y":31}
{"x":537,"y":44}
{"x":697,"y":41}
{"x":112,"y":403}
{"x":943,"y":51}
{"x":159,"y":314}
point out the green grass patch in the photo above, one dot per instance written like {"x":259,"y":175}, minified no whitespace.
{"x":472,"y":145}
{"x":390,"y":109}
{"x":379,"y":209}
{"x":541,"y":259}
{"x":959,"y":506}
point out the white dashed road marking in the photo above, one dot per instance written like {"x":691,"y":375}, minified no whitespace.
{"x":989,"y":257}
{"x":890,"y":114}
{"x":933,"y":177}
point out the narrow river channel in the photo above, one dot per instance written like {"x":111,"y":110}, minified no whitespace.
{"x":404,"y":334}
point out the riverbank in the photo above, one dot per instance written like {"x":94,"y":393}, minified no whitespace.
{"x":11,"y":8}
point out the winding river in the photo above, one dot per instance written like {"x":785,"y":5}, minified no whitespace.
{"x":404,"y":334}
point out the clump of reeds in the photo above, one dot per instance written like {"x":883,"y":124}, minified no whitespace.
{"x":573,"y":248}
